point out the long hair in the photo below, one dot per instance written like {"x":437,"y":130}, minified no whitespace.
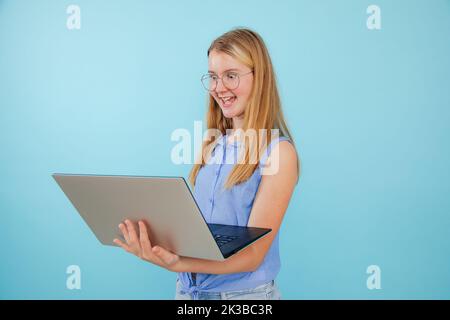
{"x":264,"y":106}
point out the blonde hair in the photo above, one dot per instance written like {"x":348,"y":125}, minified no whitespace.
{"x":264,"y":106}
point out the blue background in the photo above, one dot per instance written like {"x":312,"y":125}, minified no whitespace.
{"x":369,"y":110}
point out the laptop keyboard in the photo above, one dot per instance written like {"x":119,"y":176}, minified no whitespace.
{"x":223,"y":240}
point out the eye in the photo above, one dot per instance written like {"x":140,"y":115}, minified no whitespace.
{"x":231,"y":76}
{"x":213,"y":77}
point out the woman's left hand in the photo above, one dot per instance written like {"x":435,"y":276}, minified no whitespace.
{"x":140,"y":246}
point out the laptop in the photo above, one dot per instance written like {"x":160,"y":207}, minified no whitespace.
{"x":167,"y":206}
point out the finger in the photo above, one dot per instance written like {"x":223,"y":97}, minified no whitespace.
{"x":121,"y":244}
{"x":131,"y":231}
{"x":144,"y":238}
{"x":145,"y":242}
{"x":124,"y":231}
{"x":166,"y":256}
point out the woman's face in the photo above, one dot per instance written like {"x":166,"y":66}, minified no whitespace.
{"x":232,"y":102}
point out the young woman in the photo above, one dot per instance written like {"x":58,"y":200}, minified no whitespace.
{"x":243,"y":96}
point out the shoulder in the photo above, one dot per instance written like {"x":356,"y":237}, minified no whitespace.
{"x":283,"y":160}
{"x":287,"y":151}
{"x":288,"y":156}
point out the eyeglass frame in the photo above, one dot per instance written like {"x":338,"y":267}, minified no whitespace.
{"x":220,"y":78}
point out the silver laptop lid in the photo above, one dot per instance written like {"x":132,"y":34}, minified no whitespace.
{"x":165,"y":203}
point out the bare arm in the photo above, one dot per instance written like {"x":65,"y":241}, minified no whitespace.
{"x":268,"y":210}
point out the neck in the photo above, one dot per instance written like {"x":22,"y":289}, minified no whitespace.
{"x":238,"y":122}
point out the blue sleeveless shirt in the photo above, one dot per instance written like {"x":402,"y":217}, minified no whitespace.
{"x":232,"y":207}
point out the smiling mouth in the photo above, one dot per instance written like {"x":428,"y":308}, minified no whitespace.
{"x":227,"y":101}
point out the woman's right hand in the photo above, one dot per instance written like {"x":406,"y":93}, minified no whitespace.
{"x":141,"y":246}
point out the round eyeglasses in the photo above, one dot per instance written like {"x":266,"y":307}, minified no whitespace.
{"x":230,"y":80}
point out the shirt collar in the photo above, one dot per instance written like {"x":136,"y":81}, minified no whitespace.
{"x":223,"y":140}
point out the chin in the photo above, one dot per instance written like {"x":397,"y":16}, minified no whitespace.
{"x":230,"y":112}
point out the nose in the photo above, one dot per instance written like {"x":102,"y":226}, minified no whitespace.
{"x":220,"y":86}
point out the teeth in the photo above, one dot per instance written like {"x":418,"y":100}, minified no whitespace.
{"x":226,"y":98}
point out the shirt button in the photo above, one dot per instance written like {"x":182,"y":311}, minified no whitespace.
{"x":210,"y":200}
{"x":217,"y":172}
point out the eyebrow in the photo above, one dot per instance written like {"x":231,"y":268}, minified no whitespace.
{"x":232,"y":69}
